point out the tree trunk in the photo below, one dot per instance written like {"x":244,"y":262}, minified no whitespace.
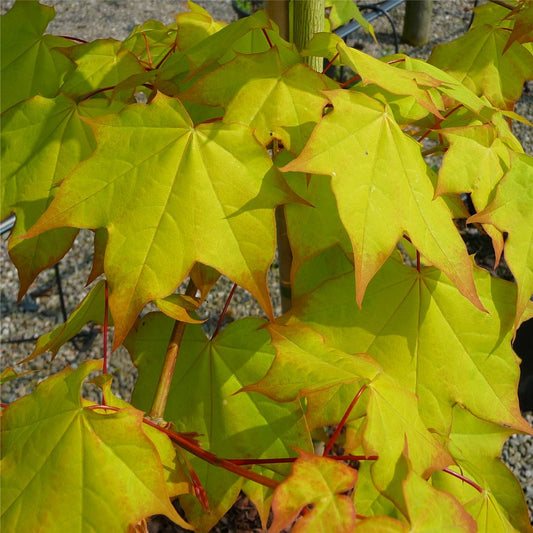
{"x":417,"y":22}
{"x":278,"y":11}
{"x":308,"y":19}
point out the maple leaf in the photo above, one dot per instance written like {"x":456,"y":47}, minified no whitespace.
{"x":477,"y":59}
{"x":151,"y":41}
{"x":430,"y":509}
{"x":368,"y":156}
{"x":196,"y":194}
{"x":99,"y":64}
{"x":304,"y":365}
{"x":417,"y":327}
{"x":279,"y":100}
{"x":43,"y":139}
{"x":319,"y":212}
{"x":30,"y":63}
{"x":396,"y":81}
{"x":99,"y":469}
{"x":522,"y":31}
{"x":202,"y":399}
{"x":476,"y":446}
{"x":510,"y":211}
{"x":317,"y":482}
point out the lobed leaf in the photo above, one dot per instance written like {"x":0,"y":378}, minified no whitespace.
{"x":203,"y":399}
{"x":196,"y":195}
{"x":316,"y":485}
{"x":510,"y":211}
{"x":31,"y":65}
{"x":101,"y":472}
{"x":366,"y":153}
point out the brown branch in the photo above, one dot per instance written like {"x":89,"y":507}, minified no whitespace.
{"x":167,"y":372}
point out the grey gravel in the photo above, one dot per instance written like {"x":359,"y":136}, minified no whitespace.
{"x":91,"y":19}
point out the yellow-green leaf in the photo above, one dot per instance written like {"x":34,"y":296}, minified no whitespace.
{"x":318,"y":482}
{"x":368,"y":156}
{"x":101,"y":472}
{"x":194,"y":193}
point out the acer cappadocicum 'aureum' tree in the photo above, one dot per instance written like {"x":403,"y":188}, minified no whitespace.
{"x":408,"y":352}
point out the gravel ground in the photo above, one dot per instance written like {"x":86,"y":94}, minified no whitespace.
{"x":40,"y":310}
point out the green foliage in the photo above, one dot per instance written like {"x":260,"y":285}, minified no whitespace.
{"x":410,"y":356}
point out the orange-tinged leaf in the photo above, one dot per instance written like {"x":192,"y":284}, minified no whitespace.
{"x":317,"y":482}
{"x":523,"y":26}
{"x":304,"y":364}
{"x":368,"y":156}
{"x":433,"y":510}
{"x":419,"y":329}
{"x":98,"y":469}
{"x":477,"y":59}
{"x":511,"y":211}
{"x":179,"y":307}
{"x":183,"y":195}
{"x":42,"y":140}
{"x":278,"y":100}
{"x":394,"y":80}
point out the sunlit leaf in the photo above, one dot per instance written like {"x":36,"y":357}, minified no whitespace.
{"x":510,"y":211}
{"x":98,"y":469}
{"x":282,"y":101}
{"x":43,"y":139}
{"x":174,"y":169}
{"x":317,"y":482}
{"x":366,"y":153}
{"x":477,"y":59}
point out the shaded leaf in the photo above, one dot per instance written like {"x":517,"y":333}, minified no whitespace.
{"x":476,"y":446}
{"x":99,"y":64}
{"x":91,"y":309}
{"x":202,"y":399}
{"x":98,"y":469}
{"x":176,"y":175}
{"x":179,"y":307}
{"x":30,"y":64}
{"x":419,"y":329}
{"x":367,"y":154}
{"x":316,"y":484}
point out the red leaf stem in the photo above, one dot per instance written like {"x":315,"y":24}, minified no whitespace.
{"x":267,"y":38}
{"x":212,"y":459}
{"x":164,"y":58}
{"x":438,"y":122}
{"x":224,"y":311}
{"x":463,"y":478}
{"x":341,"y":424}
{"x":357,"y":77}
{"x":106,"y":326}
{"x":147,"y":50}
{"x":281,"y":460}
{"x":76,"y":39}
{"x":98,"y":91}
{"x":393,"y":61}
{"x":418,"y":261}
{"x":184,"y":441}
{"x":327,"y":67}
{"x":2,"y":405}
